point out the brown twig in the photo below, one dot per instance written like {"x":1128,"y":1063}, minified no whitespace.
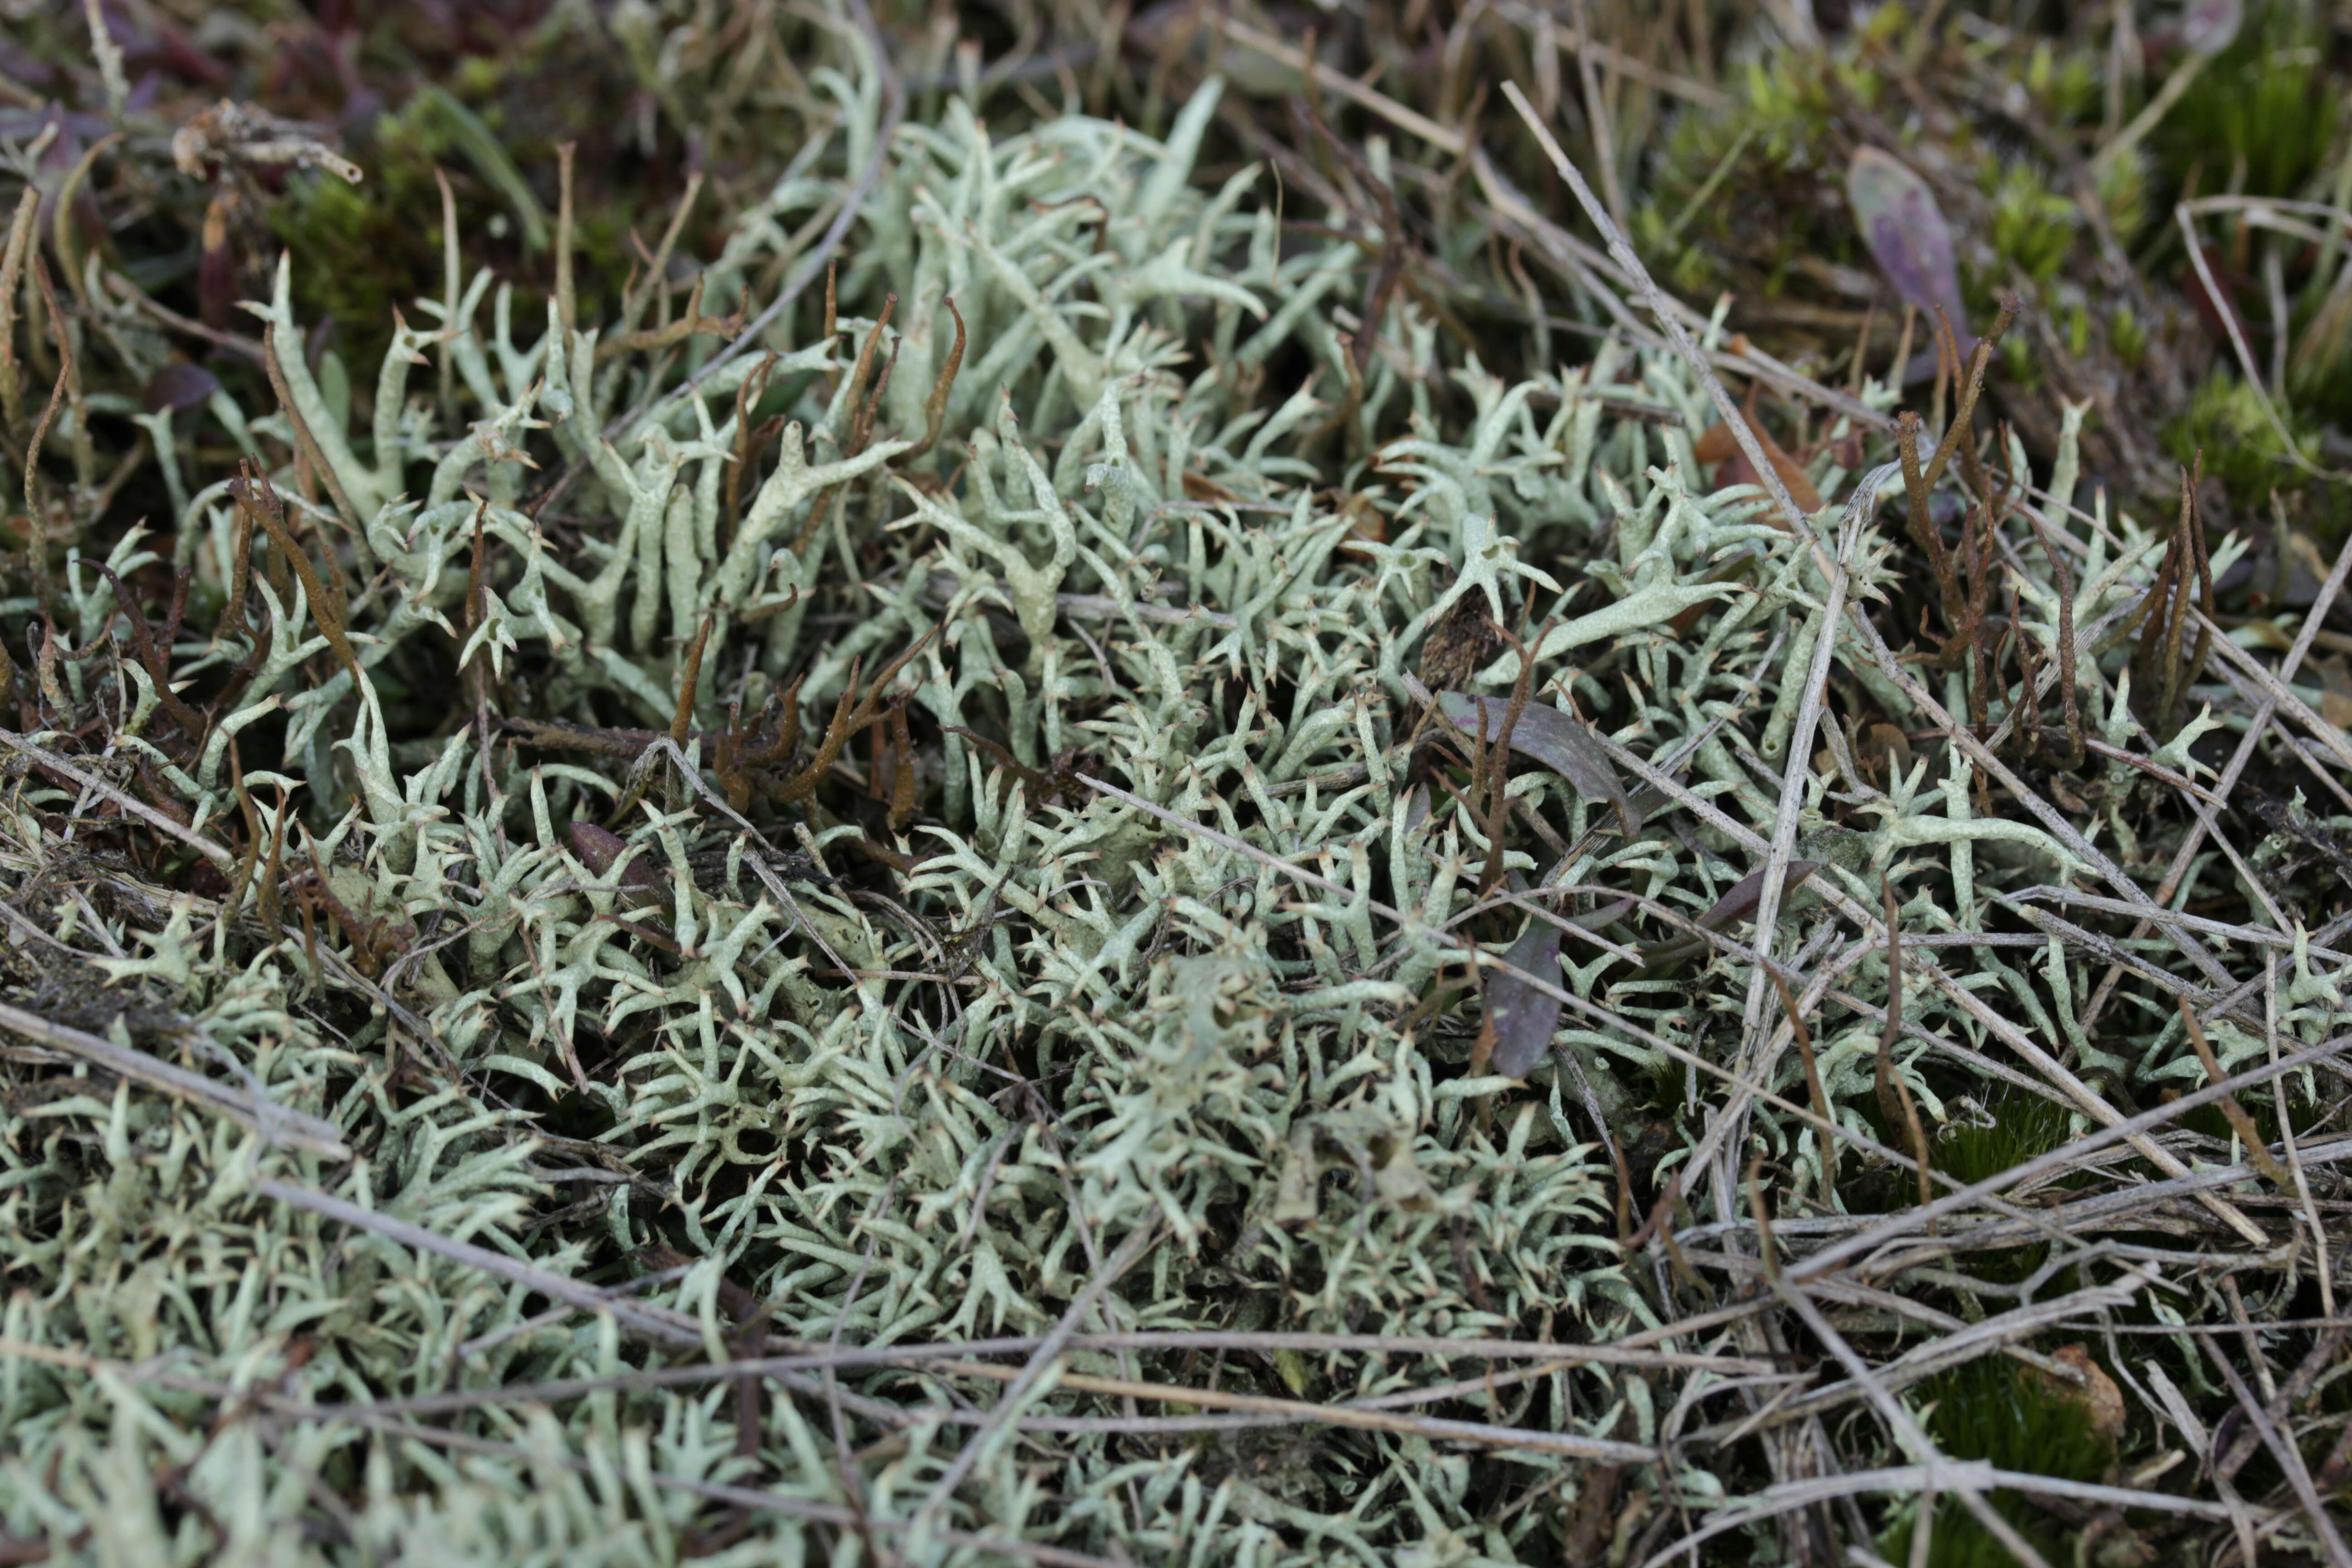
{"x":692,"y":325}
{"x":567,"y":300}
{"x":1804,"y":1036}
{"x":37,"y":538}
{"x":252,"y":492}
{"x":935,"y":406}
{"x":2257,"y":1149}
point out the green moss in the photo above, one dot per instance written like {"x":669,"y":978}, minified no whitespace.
{"x":2123,"y":192}
{"x":2262,"y":1106}
{"x":1770,"y":163}
{"x":495,"y":119}
{"x":2225,"y":421}
{"x":1668,"y":1082}
{"x":2129,"y":338}
{"x":2018,"y":360}
{"x":2012,"y":1417}
{"x":374,"y":239}
{"x":2016,"y":1127}
{"x":2078,"y":330}
{"x":2033,"y":227}
{"x":2013,"y":1130}
{"x":2069,"y":84}
{"x":1751,"y":195}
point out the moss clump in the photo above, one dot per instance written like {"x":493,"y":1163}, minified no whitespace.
{"x":2225,"y":421}
{"x":493,"y":132}
{"x":2013,"y":1418}
{"x":378,"y":246}
{"x":2034,"y":228}
{"x":2128,"y":335}
{"x":1769,"y":164}
{"x":2010,"y":1129}
{"x":2013,"y":1129}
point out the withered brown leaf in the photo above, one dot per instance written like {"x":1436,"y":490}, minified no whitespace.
{"x":1464,"y":639}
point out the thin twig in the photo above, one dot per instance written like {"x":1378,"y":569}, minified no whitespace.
{"x":251,"y":1109}
{"x":147,"y":814}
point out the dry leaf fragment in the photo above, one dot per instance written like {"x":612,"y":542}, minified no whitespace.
{"x":1886,"y":749}
{"x":2096,"y":1393}
{"x":1738,"y":902}
{"x":2336,"y":691}
{"x":2208,"y":26}
{"x":1463,"y":640}
{"x":230,"y":132}
{"x":1719,"y":445}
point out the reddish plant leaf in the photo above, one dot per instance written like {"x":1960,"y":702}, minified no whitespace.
{"x":1906,"y":232}
{"x":598,"y":850}
{"x":178,"y":385}
{"x":1719,"y":445}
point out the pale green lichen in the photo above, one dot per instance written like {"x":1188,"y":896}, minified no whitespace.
{"x":1129,"y":1031}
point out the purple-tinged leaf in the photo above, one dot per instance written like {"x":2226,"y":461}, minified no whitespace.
{"x":1604,"y":917}
{"x":2208,"y":26}
{"x":600,"y":850}
{"x":178,"y":386}
{"x":1906,"y":232}
{"x":1550,"y":737}
{"x":1521,"y":1016}
{"x":1738,"y":903}
{"x":1416,"y":811}
{"x":1739,"y":900}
